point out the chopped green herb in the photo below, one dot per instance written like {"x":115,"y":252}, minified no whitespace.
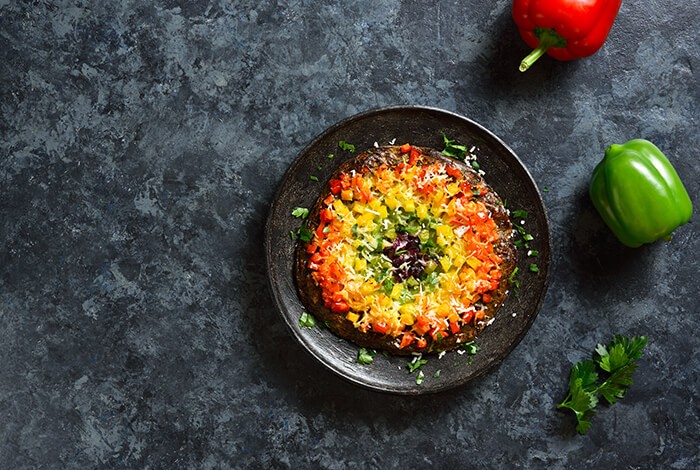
{"x":432,"y":279}
{"x":528,"y":238}
{"x":307,"y":320}
{"x":366,"y":356}
{"x":545,"y":189}
{"x":520,"y":214}
{"x":326,"y":229}
{"x":313,"y":178}
{"x":534,"y":268}
{"x":515,"y":282}
{"x":512,"y":275}
{"x":437,"y":373}
{"x":346,"y":146}
{"x":387,"y":286}
{"x":419,"y":377}
{"x":471,"y":348}
{"x":453,"y":149}
{"x":416,"y":364}
{"x":616,"y":362}
{"x":301,"y":212}
{"x":292,"y":235}
{"x":533,"y":253}
{"x":330,"y":155}
{"x":305,"y":234}
{"x":476,"y":165}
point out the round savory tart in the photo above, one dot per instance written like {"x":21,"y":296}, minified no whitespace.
{"x":407,"y":250}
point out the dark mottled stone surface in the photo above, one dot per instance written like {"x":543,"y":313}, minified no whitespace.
{"x":141,"y":144}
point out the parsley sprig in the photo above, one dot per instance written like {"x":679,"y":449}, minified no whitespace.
{"x":416,"y":364}
{"x":300,"y":212}
{"x":366,"y":356}
{"x":471,"y":348}
{"x":453,"y":149}
{"x":346,"y":146}
{"x":306,"y":320}
{"x":616,"y":364}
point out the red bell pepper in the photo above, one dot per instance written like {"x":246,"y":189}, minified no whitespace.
{"x":407,"y":339}
{"x":380,"y":327}
{"x":564,"y":29}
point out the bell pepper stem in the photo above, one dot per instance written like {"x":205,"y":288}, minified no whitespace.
{"x":548,"y":38}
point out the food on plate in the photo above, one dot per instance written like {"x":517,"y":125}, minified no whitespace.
{"x":410,"y":251}
{"x":638,"y":193}
{"x":564,"y":29}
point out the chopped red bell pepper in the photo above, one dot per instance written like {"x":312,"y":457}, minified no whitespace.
{"x":421,"y":326}
{"x":467,"y":317}
{"x":407,"y":339}
{"x":336,"y":186}
{"x":437,"y":333}
{"x":340,"y":306}
{"x":454,"y":172}
{"x":327,"y":215}
{"x":380,"y":327}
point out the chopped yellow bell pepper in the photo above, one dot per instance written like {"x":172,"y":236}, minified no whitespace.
{"x":391,"y":202}
{"x":445,"y":263}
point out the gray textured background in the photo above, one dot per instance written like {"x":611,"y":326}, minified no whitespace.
{"x":141,"y":144}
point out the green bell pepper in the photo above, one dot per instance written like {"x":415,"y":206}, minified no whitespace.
{"x":638,"y":193}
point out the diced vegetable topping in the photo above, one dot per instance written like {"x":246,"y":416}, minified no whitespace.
{"x":406,"y":251}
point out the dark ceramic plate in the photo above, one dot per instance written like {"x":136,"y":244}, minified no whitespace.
{"x":422,"y":127}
